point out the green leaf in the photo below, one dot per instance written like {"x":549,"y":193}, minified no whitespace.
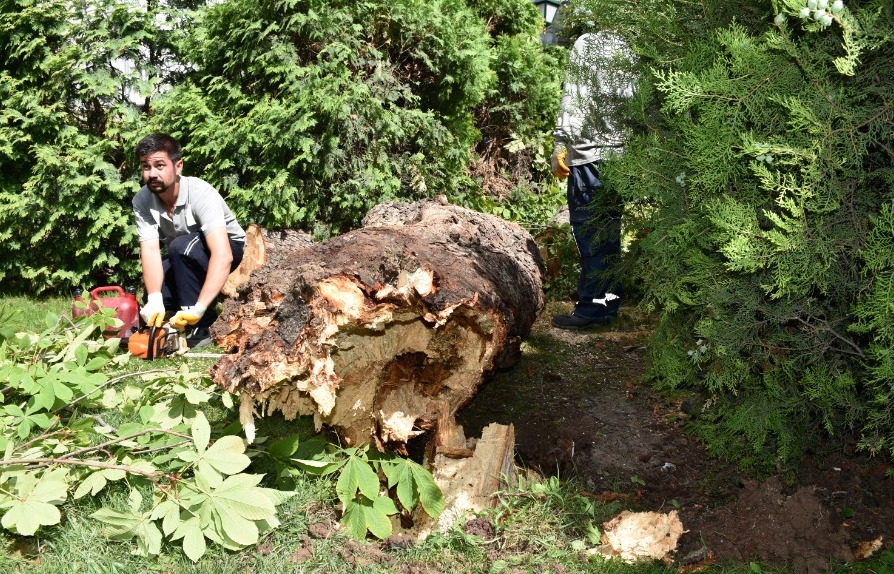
{"x":407,"y":492}
{"x":385,"y":505}
{"x":284,"y":447}
{"x":169,"y":512}
{"x":96,"y":481}
{"x":26,"y":516}
{"x":201,"y":432}
{"x":362,"y":514}
{"x":90,"y":485}
{"x":194,"y":545}
{"x":414,"y":484}
{"x":195,"y":397}
{"x":241,"y":530}
{"x":120,"y":525}
{"x":81,"y":354}
{"x":226,"y":456}
{"x":355,"y":520}
{"x":133,"y":524}
{"x":430,"y":495}
{"x":357,"y":474}
{"x":149,"y":538}
{"x":97,"y":363}
{"x":239,"y":494}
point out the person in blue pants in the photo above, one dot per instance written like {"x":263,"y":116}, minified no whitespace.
{"x":599,"y":80}
{"x":203,"y":241}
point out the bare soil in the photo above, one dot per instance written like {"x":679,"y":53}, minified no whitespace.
{"x":582,"y":411}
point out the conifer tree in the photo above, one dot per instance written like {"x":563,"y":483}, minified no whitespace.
{"x":69,"y":78}
{"x":760,"y":153}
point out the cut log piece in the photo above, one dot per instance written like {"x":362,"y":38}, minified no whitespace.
{"x":470,"y":483}
{"x":384,"y":332}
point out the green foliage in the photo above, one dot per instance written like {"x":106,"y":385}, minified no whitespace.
{"x":54,"y":445}
{"x":71,"y":431}
{"x":758,"y":154}
{"x":366,"y":501}
{"x":305,"y":111}
{"x":62,"y":96}
{"x":875,"y":315}
{"x":517,"y":116}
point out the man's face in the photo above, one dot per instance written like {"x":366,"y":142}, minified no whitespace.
{"x":159,"y":172}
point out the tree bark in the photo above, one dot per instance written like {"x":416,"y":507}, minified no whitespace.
{"x":384,"y":332}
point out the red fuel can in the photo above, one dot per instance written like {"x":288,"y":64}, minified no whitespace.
{"x":124,"y":302}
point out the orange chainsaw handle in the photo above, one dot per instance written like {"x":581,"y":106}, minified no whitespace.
{"x":155,"y":345}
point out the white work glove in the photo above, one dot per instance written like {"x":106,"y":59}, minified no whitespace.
{"x":188,"y":316}
{"x":153,"y":312}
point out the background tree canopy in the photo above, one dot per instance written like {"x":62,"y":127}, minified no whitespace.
{"x":303,"y":113}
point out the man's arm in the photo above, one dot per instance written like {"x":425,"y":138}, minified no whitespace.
{"x":153,"y":272}
{"x":153,"y":311}
{"x":219,"y":263}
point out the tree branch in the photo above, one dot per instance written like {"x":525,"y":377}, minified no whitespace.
{"x":117,"y":440}
{"x":825,"y":327}
{"x":108,"y":383}
{"x":90,"y":463}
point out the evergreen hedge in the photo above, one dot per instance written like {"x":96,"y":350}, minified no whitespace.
{"x":303,"y":113}
{"x":759,"y":186}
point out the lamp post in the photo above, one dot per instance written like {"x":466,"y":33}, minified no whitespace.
{"x":548,"y":9}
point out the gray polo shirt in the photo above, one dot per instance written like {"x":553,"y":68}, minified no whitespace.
{"x":600,"y":79}
{"x":199,"y":208}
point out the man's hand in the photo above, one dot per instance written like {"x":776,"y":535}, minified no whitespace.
{"x":560,"y":170}
{"x":153,"y":312}
{"x":188,"y":316}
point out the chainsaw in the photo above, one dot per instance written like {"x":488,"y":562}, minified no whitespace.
{"x":157,"y":342}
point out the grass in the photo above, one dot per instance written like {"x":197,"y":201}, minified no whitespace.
{"x":26,"y":314}
{"x":536,"y":527}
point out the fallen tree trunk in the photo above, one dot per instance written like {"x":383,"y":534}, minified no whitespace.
{"x":384,"y":332}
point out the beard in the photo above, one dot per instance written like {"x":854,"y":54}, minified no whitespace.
{"x":156,"y":186}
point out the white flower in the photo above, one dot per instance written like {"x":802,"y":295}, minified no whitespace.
{"x":837,"y":6}
{"x":812,"y":4}
{"x":805,"y":12}
{"x":818,"y":15}
{"x":826,"y":20}
{"x":779,"y":19}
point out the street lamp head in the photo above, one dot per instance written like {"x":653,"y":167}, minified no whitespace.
{"x":548,"y":9}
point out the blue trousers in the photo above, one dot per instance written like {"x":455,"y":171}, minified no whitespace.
{"x":186,"y":267}
{"x":596,"y":223}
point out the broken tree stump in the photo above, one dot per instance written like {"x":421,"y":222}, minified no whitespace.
{"x":262,"y":245}
{"x":384,"y":332}
{"x":470,"y":483}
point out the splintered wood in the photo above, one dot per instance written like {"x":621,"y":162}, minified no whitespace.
{"x":385,"y":332}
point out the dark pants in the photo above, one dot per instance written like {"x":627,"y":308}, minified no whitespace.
{"x":596,"y":223}
{"x":186,"y":267}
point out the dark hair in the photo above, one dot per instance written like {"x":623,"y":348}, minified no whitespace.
{"x":159,"y":142}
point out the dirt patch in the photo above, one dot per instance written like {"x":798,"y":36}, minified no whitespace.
{"x":581,"y":412}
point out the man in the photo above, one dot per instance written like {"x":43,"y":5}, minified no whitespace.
{"x":203,"y":240}
{"x":598,"y":82}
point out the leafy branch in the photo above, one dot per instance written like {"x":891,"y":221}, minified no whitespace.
{"x":195,"y":471}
